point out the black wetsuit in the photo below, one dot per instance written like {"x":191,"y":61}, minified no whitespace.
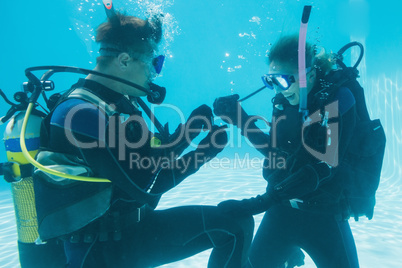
{"x":314,"y":221}
{"x":115,"y":224}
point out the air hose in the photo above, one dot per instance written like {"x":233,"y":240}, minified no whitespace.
{"x":43,"y":168}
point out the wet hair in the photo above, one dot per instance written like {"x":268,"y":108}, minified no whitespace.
{"x":129,"y":34}
{"x":285,"y":51}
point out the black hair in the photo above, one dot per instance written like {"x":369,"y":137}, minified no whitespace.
{"x":130,"y":33}
{"x":285,"y":50}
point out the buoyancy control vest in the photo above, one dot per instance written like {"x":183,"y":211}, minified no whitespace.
{"x":361,"y":168}
{"x":77,"y":203}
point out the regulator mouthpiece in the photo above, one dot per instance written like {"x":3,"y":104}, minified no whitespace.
{"x":158,"y":94}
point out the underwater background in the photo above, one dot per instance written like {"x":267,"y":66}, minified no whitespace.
{"x":216,"y":48}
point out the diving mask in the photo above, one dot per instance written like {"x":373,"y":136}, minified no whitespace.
{"x":110,"y":50}
{"x":157,"y":63}
{"x":283,"y":81}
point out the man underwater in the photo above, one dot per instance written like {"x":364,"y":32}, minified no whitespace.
{"x":92,"y":131}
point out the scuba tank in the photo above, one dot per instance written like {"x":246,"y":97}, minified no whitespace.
{"x":22,"y":187}
{"x":18,"y":172}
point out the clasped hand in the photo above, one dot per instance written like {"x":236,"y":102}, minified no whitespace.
{"x":200,"y":118}
{"x":230,"y":111}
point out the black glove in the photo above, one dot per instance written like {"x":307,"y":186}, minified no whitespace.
{"x":200,"y":118}
{"x":214,"y":142}
{"x":230,"y":111}
{"x":245,"y":207}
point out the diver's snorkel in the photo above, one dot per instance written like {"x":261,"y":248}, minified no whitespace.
{"x":302,"y":62}
{"x":109,"y":9}
{"x":301,"y":65}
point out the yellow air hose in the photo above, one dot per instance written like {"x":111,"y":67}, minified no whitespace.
{"x":43,"y":168}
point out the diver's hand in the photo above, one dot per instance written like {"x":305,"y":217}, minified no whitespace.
{"x":245,"y":207}
{"x":214,"y":142}
{"x":200,"y":118}
{"x":230,"y":111}
{"x":298,"y":184}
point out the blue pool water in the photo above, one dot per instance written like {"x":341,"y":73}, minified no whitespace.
{"x":215,"y":48}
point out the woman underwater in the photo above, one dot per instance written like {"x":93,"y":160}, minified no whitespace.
{"x":304,"y":200}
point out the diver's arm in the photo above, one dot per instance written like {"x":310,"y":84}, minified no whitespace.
{"x":105,"y":164}
{"x":172,"y":175}
{"x":230,"y":111}
{"x":250,"y":206}
{"x":199,"y":119}
{"x":178,"y":170}
{"x":101,"y":142}
{"x":132,"y":173}
{"x":259,"y":139}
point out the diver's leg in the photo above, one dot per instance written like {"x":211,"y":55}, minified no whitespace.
{"x":231,"y":239}
{"x":178,"y":233}
{"x":50,"y":254}
{"x":274,"y":240}
{"x":329,"y":242}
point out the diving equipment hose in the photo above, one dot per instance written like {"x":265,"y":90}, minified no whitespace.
{"x":40,"y":166}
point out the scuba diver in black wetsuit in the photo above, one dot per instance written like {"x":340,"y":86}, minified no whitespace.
{"x":304,"y":201}
{"x":95,"y":130}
